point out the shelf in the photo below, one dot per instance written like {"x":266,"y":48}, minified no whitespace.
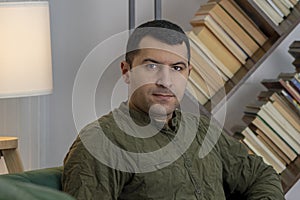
{"x":290,"y":175}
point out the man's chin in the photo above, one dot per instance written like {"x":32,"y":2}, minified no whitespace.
{"x":161,"y":111}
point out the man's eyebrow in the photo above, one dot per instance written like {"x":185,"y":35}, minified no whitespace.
{"x":151,"y":60}
{"x":157,"y":62}
{"x":180,"y":63}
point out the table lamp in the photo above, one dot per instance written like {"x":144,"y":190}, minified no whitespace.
{"x":25,"y":50}
{"x":25,"y":56}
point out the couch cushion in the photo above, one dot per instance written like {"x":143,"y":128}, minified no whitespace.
{"x":18,"y":190}
{"x":49,"y":177}
{"x":42,"y":184}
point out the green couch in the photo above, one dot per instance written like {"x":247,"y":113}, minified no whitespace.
{"x":43,"y":184}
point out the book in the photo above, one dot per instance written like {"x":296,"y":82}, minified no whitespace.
{"x":278,"y":152}
{"x":247,"y":147}
{"x":272,"y":146}
{"x":291,"y":102}
{"x":274,"y":153}
{"x":230,"y":26}
{"x":295,"y":44}
{"x":261,"y":150}
{"x":281,"y":121}
{"x":292,"y":78}
{"x":293,"y":88}
{"x":287,"y":3}
{"x":274,"y":6}
{"x":228,"y":42}
{"x":200,"y":83}
{"x":294,"y":2}
{"x":283,"y":8}
{"x":295,"y":83}
{"x":204,"y":65}
{"x":289,"y":75}
{"x":294,"y":104}
{"x":296,"y":64}
{"x":269,"y":113}
{"x":225,"y":60}
{"x":282,"y":106}
{"x":215,"y":51}
{"x":209,"y":80}
{"x":268,"y":10}
{"x":295,"y":52}
{"x":243,"y":20}
{"x":192,"y":88}
{"x":258,"y":123}
{"x":278,"y":84}
{"x":259,"y":18}
{"x":254,"y":110}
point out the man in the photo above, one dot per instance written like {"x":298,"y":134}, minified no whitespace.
{"x":149,"y":149}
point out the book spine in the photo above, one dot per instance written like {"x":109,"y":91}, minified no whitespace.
{"x":272,"y":4}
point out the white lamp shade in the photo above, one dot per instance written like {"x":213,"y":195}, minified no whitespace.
{"x":25,"y":49}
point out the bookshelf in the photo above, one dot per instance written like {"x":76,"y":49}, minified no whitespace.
{"x":275,"y":36}
{"x":285,"y":114}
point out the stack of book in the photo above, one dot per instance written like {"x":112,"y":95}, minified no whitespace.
{"x":275,"y":10}
{"x":273,"y":122}
{"x":222,"y":39}
{"x":294,"y":50}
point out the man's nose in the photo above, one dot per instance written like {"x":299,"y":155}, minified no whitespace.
{"x":164,"y":77}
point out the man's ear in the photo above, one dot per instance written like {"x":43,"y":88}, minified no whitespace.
{"x":125,"y":68}
{"x":190,"y":68}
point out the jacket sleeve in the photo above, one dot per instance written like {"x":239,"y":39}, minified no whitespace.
{"x":247,"y":175}
{"x":84,"y":177}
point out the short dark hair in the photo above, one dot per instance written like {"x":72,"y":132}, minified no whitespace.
{"x":162,"y":30}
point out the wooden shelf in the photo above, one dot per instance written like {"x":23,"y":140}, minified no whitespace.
{"x":290,"y":175}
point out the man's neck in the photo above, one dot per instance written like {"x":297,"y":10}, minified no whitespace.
{"x":158,"y":118}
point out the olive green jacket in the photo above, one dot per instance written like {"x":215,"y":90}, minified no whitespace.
{"x":124,"y":155}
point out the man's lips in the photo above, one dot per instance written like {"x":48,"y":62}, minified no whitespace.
{"x":163,"y":96}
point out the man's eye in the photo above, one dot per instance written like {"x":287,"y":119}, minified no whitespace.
{"x":151,"y":66}
{"x":177,"y":68}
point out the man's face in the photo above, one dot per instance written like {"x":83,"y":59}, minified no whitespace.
{"x":158,"y":77}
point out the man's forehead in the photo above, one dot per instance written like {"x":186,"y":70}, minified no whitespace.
{"x":149,"y":42}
